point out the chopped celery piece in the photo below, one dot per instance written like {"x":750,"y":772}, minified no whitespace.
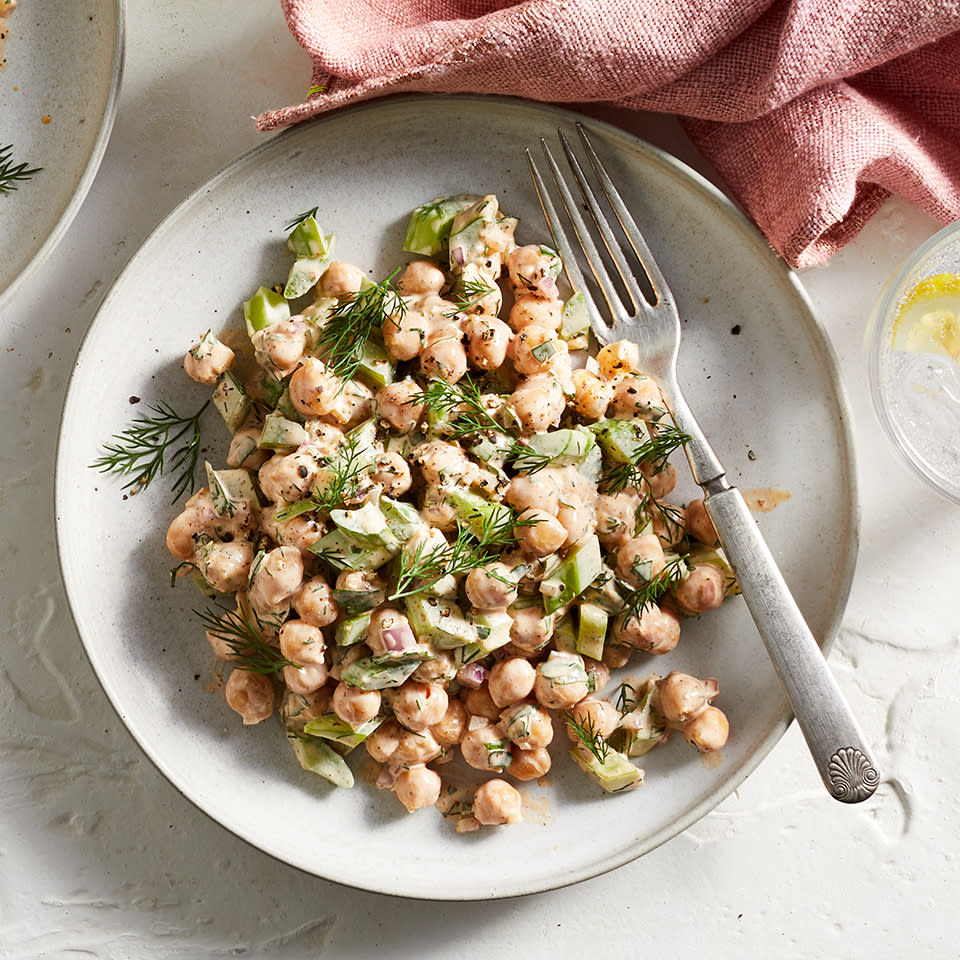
{"x":319,"y":757}
{"x":352,"y":602}
{"x":284,"y":406}
{"x":368,"y":674}
{"x":231,"y":401}
{"x":331,"y":727}
{"x":340,"y":550}
{"x":565,"y":448}
{"x":403,"y":519}
{"x":621,"y":440}
{"x":565,"y":636}
{"x":352,"y":630}
{"x":265,"y":307}
{"x":279,"y":433}
{"x":493,"y":632}
{"x":575,"y":573}
{"x":614,"y":773}
{"x":574,"y":319}
{"x":307,"y":240}
{"x":430,"y":223}
{"x":366,"y":525}
{"x":474,"y":512}
{"x":440,"y":622}
{"x":231,"y":490}
{"x":376,"y":368}
{"x":304,"y":274}
{"x":591,"y":630}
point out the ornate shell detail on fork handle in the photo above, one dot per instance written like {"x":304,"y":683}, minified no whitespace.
{"x":852,"y":776}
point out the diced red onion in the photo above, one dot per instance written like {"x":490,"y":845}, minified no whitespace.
{"x":473,"y":675}
{"x":548,"y":287}
{"x":458,"y":256}
{"x":713,"y":687}
{"x":387,"y":776}
{"x":398,"y":638}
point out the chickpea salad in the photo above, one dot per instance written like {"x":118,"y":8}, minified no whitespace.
{"x":442,"y":522}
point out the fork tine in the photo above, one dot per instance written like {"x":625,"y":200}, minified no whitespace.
{"x":603,"y":227}
{"x":627,"y":223}
{"x":585,"y":239}
{"x":567,"y":256}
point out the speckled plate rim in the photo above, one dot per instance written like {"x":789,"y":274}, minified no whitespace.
{"x":75,"y":201}
{"x":819,"y":339}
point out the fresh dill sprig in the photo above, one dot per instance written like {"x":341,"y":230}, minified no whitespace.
{"x":346,"y":467}
{"x":250,"y":651}
{"x":426,"y":565}
{"x":627,"y":698}
{"x":140,"y":451}
{"x":654,"y":452}
{"x":637,"y":598}
{"x":587,"y":733}
{"x":522,"y":457}
{"x":348,"y":328}
{"x":670,"y":517}
{"x":463,"y":402}
{"x":301,"y":217}
{"x":13,"y":174}
{"x":471,"y":292}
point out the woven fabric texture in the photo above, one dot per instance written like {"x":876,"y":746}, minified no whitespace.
{"x":812,"y":112}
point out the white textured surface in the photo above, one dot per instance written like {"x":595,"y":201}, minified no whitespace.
{"x":100,"y":857}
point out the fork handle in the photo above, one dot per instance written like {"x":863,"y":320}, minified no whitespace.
{"x":832,"y":734}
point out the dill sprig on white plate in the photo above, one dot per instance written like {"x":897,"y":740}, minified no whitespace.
{"x":13,"y":174}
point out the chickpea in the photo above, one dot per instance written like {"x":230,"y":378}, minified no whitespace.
{"x":529,"y":764}
{"x":591,"y":395}
{"x":527,"y":725}
{"x":616,"y":656}
{"x":181,"y":533}
{"x":306,"y":679}
{"x":281,"y":346}
{"x":325,"y":439}
{"x":539,"y":534}
{"x":561,"y":680}
{"x":405,"y":334}
{"x":640,"y":559}
{"x":313,"y":389}
{"x":708,"y":730}
{"x":485,"y":748}
{"x":699,"y":525}
{"x":441,"y":667}
{"x":360,"y":581}
{"x":617,"y":358}
{"x":549,"y":349}
{"x":419,"y":747}
{"x":225,"y":566}
{"x":390,"y":470}
{"x":638,"y":396}
{"x":655,"y":631}
{"x":538,"y":403}
{"x":488,"y":340}
{"x":417,"y":787}
{"x":449,"y":730}
{"x":616,"y":517}
{"x":250,"y":694}
{"x":382,"y":744}
{"x":661,"y":479}
{"x":352,"y":405}
{"x":355,"y":706}
{"x":444,"y":358}
{"x":683,"y":696}
{"x":302,"y":643}
{"x":528,"y":309}
{"x":277,"y":577}
{"x":594,"y":714}
{"x":418,"y":705}
{"x":299,"y":709}
{"x":533,"y":492}
{"x":511,"y":680}
{"x":479,"y":703}
{"x":486,"y":589}
{"x":701,"y":589}
{"x":389,"y":631}
{"x":530,"y":629}
{"x":207,"y":359}
{"x":340,"y":279}
{"x":397,"y":404}
{"x":288,"y":477}
{"x":497,"y":802}
{"x":577,"y":520}
{"x":300,"y":532}
{"x":315,"y":604}
{"x":528,"y":266}
{"x":421,"y":276}
{"x":598,"y":671}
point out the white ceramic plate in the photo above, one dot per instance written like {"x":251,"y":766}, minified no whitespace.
{"x":63,"y":62}
{"x":768,"y":397}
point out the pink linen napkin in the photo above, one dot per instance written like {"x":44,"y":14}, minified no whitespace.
{"x":813,"y":111}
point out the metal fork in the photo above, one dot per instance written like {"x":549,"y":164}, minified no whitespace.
{"x":832,"y":734}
